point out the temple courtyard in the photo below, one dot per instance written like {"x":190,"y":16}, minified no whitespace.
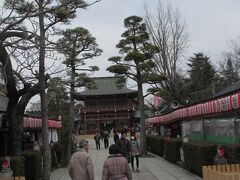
{"x":151,"y":168}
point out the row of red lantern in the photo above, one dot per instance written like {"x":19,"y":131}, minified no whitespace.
{"x":29,"y":122}
{"x":54,"y":124}
{"x":228,"y":103}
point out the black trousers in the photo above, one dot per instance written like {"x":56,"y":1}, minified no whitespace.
{"x":98,"y":144}
{"x":132,"y":161}
{"x":106,"y":144}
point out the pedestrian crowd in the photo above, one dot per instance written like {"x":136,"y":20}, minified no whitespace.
{"x":116,"y":166}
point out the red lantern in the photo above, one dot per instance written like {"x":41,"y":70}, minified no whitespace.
{"x":205,"y":108}
{"x":219,"y":107}
{"x":215,"y":106}
{"x":235,"y":101}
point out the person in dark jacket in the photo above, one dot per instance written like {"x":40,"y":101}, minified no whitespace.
{"x":102,"y":135}
{"x":105,"y":139}
{"x":134,"y":151}
{"x":115,"y":137}
{"x":116,"y":166}
{"x":97,"y":138}
{"x":124,"y":146}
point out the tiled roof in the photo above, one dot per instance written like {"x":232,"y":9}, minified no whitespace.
{"x":229,"y":89}
{"x":106,"y":86}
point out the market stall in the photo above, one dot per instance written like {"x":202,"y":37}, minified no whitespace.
{"x":33,"y":131}
{"x":215,"y":120}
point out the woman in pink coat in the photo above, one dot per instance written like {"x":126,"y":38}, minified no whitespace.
{"x":116,"y":166}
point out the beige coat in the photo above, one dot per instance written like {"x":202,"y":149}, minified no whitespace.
{"x":81,"y":166}
{"x":116,"y":168}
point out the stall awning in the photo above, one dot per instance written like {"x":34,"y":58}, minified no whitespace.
{"x":211,"y":107}
{"x":30,"y":122}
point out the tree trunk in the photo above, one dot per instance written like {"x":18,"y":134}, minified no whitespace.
{"x":21,"y":106}
{"x":15,"y":115}
{"x":15,"y":108}
{"x":71,"y":121}
{"x":19,"y":132}
{"x":71,"y":113}
{"x":14,"y":147}
{"x":142,"y":120}
{"x":46,"y":148}
{"x":8,"y":72}
{"x":12,"y":93}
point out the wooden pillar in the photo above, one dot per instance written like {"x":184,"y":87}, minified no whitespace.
{"x":85,"y":119}
{"x":128,"y":119}
{"x":114,"y":101}
{"x":97,"y":102}
{"x":115,"y":121}
{"x":98,"y":120}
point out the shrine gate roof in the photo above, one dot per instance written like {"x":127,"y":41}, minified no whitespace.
{"x":107,"y":86}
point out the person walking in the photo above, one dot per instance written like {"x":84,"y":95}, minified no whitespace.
{"x":102,"y":135}
{"x":124,"y":146}
{"x":81,"y":164}
{"x":115,"y":137}
{"x":106,"y":139}
{"x":134,"y":151}
{"x":97,"y":138}
{"x":116,"y":166}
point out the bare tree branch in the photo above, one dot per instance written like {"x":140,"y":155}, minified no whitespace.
{"x":167,"y":31}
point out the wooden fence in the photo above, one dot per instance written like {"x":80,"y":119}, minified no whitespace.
{"x":221,"y":172}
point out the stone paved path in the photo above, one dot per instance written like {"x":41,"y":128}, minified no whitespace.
{"x":152,"y":168}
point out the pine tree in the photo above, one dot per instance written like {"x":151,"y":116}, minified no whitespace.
{"x":229,"y":73}
{"x":43,"y":17}
{"x":77,"y":45}
{"x":58,"y":98}
{"x":201,"y":78}
{"x":136,"y":63}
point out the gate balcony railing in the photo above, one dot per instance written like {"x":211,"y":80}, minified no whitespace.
{"x":108,"y":108}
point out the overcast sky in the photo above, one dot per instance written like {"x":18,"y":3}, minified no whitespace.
{"x":211,"y":24}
